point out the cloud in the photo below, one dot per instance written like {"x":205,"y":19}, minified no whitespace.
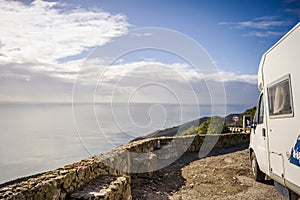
{"x":293,"y":8}
{"x":153,"y":81}
{"x":19,"y":83}
{"x":265,"y":26}
{"x":239,"y":93}
{"x":264,"y":34}
{"x":143,"y":81}
{"x":155,"y":70}
{"x":293,"y":11}
{"x":232,"y":77}
{"x":43,"y":32}
{"x":42,"y":46}
{"x":264,"y":23}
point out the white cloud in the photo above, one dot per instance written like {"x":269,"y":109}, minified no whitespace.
{"x":43,"y":32}
{"x":143,"y":81}
{"x":295,"y":11}
{"x":179,"y":72}
{"x":42,"y":47}
{"x":41,"y":51}
{"x":264,"y":33}
{"x":265,"y":23}
{"x":153,"y":81}
{"x":259,"y":27}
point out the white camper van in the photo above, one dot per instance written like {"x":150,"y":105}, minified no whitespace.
{"x":275,"y":137}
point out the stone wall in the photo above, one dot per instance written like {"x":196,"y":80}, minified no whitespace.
{"x":139,"y":158}
{"x":105,"y":187}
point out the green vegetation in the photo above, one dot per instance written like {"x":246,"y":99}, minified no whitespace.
{"x":213,"y":125}
{"x":190,"y":131}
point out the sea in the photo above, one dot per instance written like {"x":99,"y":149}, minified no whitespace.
{"x":38,"y":137}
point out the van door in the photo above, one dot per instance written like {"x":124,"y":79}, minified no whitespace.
{"x":283,"y":127}
{"x":260,"y":136}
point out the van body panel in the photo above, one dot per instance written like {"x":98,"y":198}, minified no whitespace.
{"x":279,"y":82}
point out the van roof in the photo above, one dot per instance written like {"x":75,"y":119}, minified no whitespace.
{"x":260,"y":70}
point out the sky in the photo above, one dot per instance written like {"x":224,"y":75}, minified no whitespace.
{"x":58,"y":51}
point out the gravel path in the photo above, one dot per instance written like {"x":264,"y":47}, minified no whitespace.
{"x":223,"y":175}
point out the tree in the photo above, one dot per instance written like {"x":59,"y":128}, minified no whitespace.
{"x":190,"y":131}
{"x":213,"y":125}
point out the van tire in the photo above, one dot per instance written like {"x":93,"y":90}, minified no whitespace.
{"x":258,"y":175}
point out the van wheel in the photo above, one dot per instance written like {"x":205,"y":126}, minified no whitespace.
{"x":257,"y":174}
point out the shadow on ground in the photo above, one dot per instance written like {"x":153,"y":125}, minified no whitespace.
{"x":169,"y":179}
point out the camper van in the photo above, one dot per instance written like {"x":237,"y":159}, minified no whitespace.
{"x":275,"y":136}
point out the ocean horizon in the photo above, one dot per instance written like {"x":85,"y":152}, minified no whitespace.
{"x":38,"y":137}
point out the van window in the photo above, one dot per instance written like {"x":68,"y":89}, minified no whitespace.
{"x":280,"y":102}
{"x":260,"y":118}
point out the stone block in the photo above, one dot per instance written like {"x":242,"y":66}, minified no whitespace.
{"x":143,"y":162}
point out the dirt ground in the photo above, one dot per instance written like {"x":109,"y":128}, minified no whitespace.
{"x":225,"y":174}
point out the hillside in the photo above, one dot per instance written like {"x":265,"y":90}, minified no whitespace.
{"x":174,"y":130}
{"x":200,"y":125}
